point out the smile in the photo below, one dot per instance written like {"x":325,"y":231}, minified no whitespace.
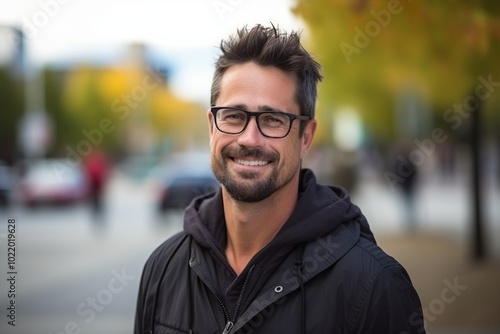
{"x":251,"y":162}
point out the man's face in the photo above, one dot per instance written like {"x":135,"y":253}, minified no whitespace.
{"x":250,"y":166}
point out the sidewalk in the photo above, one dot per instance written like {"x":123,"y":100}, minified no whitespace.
{"x":457,"y":295}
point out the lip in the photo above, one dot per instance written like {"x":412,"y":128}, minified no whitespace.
{"x":250,"y":164}
{"x":243,"y":158}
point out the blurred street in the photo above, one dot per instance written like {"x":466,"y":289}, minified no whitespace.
{"x":104,"y":141}
{"x":76,"y":271}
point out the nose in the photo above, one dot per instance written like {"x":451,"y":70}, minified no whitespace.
{"x":251,"y":137}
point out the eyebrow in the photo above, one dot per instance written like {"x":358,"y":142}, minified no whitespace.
{"x":260,"y":108}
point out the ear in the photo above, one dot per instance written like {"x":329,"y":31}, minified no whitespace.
{"x":307,"y":137}
{"x":210,"y":118}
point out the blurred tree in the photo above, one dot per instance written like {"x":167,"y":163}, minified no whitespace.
{"x":84,"y":105}
{"x":65,"y":127}
{"x":11,"y":110}
{"x":182,"y":120}
{"x":137,"y":104}
{"x":447,"y":53}
{"x":372,"y":50}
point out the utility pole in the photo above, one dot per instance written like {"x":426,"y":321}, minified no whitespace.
{"x":478,"y":245}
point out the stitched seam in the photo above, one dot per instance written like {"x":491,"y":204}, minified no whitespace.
{"x":372,"y":250}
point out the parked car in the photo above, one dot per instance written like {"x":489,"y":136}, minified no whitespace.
{"x":52,"y":181}
{"x":182,"y":189}
{"x":5,"y":185}
{"x":183,"y":177}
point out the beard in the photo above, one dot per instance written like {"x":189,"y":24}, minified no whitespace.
{"x":249,"y":187}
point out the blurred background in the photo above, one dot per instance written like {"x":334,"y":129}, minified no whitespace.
{"x":103,"y":142}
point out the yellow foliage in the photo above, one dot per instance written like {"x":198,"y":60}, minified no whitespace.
{"x":114,"y":82}
{"x":372,"y":50}
{"x":129,"y":97}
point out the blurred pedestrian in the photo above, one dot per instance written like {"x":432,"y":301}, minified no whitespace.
{"x":407,"y":176}
{"x":272,"y":251}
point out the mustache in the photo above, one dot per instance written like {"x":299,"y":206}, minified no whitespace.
{"x":246,"y":152}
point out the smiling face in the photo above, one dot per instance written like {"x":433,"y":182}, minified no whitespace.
{"x":252,"y":167}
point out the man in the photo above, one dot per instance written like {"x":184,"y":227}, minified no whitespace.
{"x":272,"y":251}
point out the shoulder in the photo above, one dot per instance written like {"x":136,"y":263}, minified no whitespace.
{"x":372,"y":268}
{"x":386,"y":299}
{"x":168,"y":245}
{"x":162,"y":253}
{"x":155,"y":266}
{"x":376,"y":257}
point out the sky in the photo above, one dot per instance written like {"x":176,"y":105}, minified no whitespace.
{"x":185,"y":32}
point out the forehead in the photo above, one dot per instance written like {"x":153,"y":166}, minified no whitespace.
{"x":253,"y":85}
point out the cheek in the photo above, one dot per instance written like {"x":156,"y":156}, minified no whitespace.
{"x":214,"y":145}
{"x":218,"y":142}
{"x":213,"y":142}
{"x":290,"y":152}
{"x":214,"y":138}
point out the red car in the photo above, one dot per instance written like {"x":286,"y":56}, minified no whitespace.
{"x":53,"y":182}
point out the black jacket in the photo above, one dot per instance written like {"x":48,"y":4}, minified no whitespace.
{"x":322,"y":273}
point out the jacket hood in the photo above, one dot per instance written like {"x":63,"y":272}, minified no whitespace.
{"x":320,"y":210}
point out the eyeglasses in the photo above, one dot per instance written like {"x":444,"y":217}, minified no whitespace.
{"x":272,"y":124}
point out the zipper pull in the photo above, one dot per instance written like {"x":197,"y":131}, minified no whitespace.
{"x":228,"y":328}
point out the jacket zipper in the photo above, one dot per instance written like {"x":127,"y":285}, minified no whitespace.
{"x":228,"y":327}
{"x":240,"y":298}
{"x":229,"y":323}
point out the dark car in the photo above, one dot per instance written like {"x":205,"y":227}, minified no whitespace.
{"x":181,"y":190}
{"x":184,"y":177}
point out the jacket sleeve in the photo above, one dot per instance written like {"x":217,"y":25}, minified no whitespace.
{"x":139,"y":309}
{"x":150,"y":279}
{"x":141,"y":298}
{"x":392,"y":305}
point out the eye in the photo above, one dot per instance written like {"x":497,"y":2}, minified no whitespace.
{"x":232,"y":115}
{"x":273,"y":119}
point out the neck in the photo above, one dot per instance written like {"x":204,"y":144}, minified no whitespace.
{"x":251,"y":226}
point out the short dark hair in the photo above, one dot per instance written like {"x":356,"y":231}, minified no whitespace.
{"x":268,"y":46}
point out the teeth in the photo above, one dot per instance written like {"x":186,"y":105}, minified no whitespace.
{"x":251,"y":163}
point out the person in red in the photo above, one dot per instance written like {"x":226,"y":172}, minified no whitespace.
{"x":97,"y":168}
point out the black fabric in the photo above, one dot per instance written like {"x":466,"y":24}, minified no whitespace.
{"x":346,"y":284}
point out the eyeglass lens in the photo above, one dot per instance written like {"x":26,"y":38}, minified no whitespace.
{"x":233,"y":121}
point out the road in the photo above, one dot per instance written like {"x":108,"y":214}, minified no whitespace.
{"x":78,"y":274}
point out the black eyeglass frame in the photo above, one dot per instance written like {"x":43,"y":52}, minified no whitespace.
{"x":257,"y":114}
